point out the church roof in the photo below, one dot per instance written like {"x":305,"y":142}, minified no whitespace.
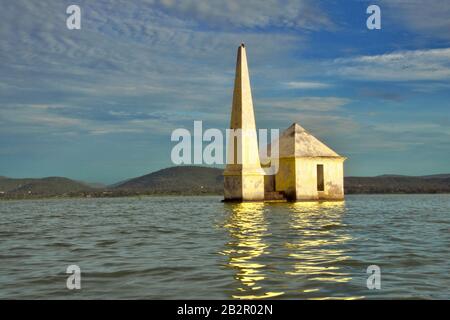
{"x":295,"y":141}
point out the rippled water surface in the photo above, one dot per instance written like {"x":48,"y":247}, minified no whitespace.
{"x":198,"y":247}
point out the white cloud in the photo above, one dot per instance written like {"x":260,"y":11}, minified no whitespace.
{"x":306,"y":85}
{"x":429,"y":18}
{"x":322,"y":116}
{"x":35,"y":119}
{"x":252,"y":13}
{"x":432,"y":64}
{"x":414,"y":127}
{"x":36,"y":116}
{"x":123,"y":49}
{"x":317,"y":104}
{"x":127,"y":57}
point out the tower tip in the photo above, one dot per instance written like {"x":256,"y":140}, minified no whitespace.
{"x":242,"y":45}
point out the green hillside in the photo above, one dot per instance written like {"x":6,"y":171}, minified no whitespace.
{"x":50,"y":186}
{"x":183,"y":179}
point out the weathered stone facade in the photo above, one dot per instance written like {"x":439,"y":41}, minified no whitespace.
{"x":308,"y":169}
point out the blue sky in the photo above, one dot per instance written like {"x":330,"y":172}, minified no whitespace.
{"x":100,"y":103}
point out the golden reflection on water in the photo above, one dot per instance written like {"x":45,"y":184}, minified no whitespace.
{"x":313,"y":245}
{"x":315,"y":251}
{"x":248,"y":227}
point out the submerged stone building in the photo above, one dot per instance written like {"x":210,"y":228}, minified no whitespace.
{"x":307,"y":168}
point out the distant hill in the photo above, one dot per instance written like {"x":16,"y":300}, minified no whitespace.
{"x":433,"y":176}
{"x":437,"y":176}
{"x":95,"y":185}
{"x":50,"y":186}
{"x":195,"y":180}
{"x":398,"y":184}
{"x":183,"y":179}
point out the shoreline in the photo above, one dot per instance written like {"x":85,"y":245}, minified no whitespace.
{"x":65,"y":197}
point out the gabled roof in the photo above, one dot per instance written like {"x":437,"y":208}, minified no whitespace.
{"x":295,"y":141}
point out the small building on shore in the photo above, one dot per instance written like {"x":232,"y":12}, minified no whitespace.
{"x":307,"y":168}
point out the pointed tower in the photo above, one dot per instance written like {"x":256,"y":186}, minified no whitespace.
{"x":243,"y":176}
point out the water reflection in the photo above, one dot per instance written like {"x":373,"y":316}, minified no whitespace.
{"x":308,"y":255}
{"x":317,"y":250}
{"x":248,"y":228}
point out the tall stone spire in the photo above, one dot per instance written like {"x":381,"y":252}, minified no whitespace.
{"x":243,"y":176}
{"x":242,"y":115}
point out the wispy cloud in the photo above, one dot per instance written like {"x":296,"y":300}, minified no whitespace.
{"x":430,"y":64}
{"x":413,"y":127}
{"x":305,"y":14}
{"x":429,"y":18}
{"x":382,"y":94}
{"x":48,"y":119}
{"x":306,"y":85}
{"x":317,"y":104}
{"x":129,"y":65}
{"x":323,"y":116}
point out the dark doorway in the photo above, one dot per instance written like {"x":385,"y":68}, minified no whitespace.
{"x":320,"y":182}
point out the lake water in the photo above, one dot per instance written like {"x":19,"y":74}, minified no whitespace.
{"x":198,"y":247}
